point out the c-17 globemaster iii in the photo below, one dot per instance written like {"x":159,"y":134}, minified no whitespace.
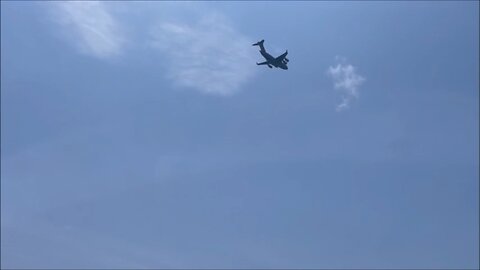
{"x":278,"y":62}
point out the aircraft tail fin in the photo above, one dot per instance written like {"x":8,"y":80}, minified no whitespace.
{"x":260,"y":43}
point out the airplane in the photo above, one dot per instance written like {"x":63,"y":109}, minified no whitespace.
{"x":278,"y":62}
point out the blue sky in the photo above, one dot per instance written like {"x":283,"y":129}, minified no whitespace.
{"x":143,"y":135}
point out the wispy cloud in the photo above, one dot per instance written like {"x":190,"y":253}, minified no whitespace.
{"x":209,"y":56}
{"x":346,"y":80}
{"x":90,"y":26}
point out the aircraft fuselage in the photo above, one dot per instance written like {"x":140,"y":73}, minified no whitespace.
{"x":272,"y":61}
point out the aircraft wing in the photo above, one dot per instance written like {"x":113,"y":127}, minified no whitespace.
{"x":281,"y":57}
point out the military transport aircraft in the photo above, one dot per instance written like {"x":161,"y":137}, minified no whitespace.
{"x":278,"y":62}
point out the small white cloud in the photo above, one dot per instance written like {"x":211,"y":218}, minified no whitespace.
{"x":345,"y":80}
{"x":344,"y":105}
{"x":209,"y":56}
{"x":90,"y":26}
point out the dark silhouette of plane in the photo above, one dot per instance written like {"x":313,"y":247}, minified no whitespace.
{"x":278,"y":62}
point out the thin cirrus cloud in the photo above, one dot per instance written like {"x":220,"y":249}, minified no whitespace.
{"x":90,"y":26}
{"x":347,"y":81}
{"x":209,"y":56}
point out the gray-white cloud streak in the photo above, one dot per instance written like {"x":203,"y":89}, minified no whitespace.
{"x":209,"y":56}
{"x":90,"y":26}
